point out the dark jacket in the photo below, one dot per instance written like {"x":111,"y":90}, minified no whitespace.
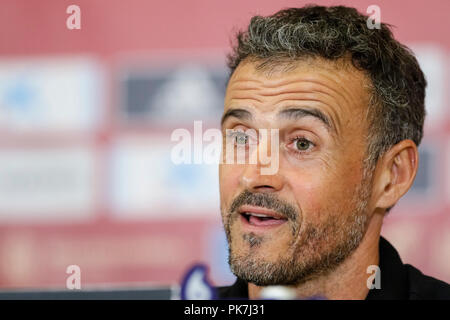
{"x":398,"y":281}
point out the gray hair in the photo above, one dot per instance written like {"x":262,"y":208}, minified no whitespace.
{"x":396,"y":109}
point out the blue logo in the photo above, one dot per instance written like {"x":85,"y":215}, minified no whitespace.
{"x":196,"y":286}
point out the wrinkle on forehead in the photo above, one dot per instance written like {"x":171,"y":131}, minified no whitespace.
{"x":340,"y":86}
{"x":315,"y":67}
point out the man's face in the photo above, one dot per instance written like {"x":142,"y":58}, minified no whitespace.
{"x":302,"y":221}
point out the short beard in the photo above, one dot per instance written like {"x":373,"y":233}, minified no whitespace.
{"x":320,"y":251}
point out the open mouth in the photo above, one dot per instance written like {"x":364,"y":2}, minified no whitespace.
{"x":260,"y":217}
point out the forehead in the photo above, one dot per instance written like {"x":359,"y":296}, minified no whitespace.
{"x":335,"y":87}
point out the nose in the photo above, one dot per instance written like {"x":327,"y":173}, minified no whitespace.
{"x":253,"y":181}
{"x":253,"y":177}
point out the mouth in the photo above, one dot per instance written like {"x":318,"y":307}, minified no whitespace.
{"x":259,"y":218}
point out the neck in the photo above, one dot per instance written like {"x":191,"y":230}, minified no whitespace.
{"x":349,"y":280}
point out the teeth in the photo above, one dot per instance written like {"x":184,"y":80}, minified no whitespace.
{"x":258,"y":215}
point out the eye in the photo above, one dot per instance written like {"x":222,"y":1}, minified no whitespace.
{"x":237,"y":137}
{"x":241,"y":138}
{"x":302,"y":144}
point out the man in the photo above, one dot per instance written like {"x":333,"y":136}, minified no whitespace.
{"x":347,"y":103}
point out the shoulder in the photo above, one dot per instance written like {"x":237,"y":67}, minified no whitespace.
{"x":224,"y":292}
{"x":239,"y":290}
{"x":422,"y":287}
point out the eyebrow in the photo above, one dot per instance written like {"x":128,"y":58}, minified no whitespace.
{"x":298,"y":113}
{"x":291,"y":113}
{"x":237,"y":113}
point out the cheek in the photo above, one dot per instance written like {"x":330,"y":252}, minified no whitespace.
{"x":322,"y":193}
{"x":309,"y":195}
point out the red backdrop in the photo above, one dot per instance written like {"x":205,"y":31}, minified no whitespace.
{"x":119,"y":241}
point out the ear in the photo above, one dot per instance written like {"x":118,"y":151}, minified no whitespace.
{"x":396,"y":172}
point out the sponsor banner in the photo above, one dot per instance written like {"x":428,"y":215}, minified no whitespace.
{"x":407,"y":235}
{"x":439,"y":248}
{"x":425,"y":183}
{"x":146,"y":183}
{"x":434,"y":63}
{"x":182,"y":92}
{"x":426,"y":195}
{"x":50,"y":94}
{"x":421,"y":241}
{"x":447,"y":169}
{"x":46,"y":184}
{"x":134,"y":255}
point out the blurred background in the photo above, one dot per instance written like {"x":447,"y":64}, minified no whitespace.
{"x":86,"y":117}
